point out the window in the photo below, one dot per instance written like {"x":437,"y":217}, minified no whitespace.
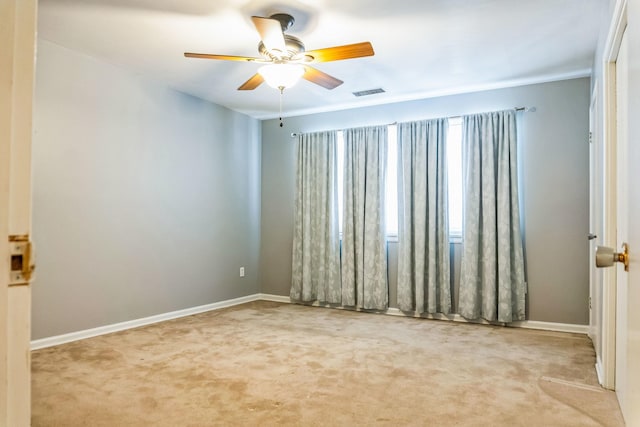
{"x":454,"y":176}
{"x":340,"y":148}
{"x":391,"y":198}
{"x":454,"y":167}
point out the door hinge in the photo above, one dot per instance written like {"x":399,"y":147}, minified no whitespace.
{"x":590,"y":137}
{"x":589,"y":303}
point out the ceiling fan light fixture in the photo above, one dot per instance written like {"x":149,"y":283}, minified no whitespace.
{"x":281,"y":76}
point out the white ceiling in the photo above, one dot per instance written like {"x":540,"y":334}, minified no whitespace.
{"x":422,"y":48}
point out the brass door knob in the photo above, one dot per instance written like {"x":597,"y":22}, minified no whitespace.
{"x":606,"y":256}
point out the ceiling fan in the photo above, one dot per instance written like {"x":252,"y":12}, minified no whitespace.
{"x":286,"y":58}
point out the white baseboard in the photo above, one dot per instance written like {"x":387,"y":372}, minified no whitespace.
{"x":116,"y":327}
{"x":550,"y":326}
{"x":599,"y":373}
{"x":525,"y":324}
{"x":273,"y":298}
{"x":102,"y":330}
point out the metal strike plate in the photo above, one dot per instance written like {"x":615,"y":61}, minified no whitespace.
{"x":21,"y":252}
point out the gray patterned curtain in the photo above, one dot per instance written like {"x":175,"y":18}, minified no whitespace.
{"x":424,"y":282}
{"x":492,"y":284}
{"x":316,"y":240}
{"x":364,"y":255}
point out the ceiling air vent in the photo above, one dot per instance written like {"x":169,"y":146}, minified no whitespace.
{"x":369,"y":92}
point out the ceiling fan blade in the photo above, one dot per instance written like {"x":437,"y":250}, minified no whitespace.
{"x":318,"y":77}
{"x":356,"y":50}
{"x":224,"y":57}
{"x":270,"y":31}
{"x":255,"y":81}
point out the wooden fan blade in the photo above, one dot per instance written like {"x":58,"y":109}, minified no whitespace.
{"x":356,"y":50}
{"x":223,"y":57}
{"x":318,"y":77}
{"x":255,"y":81}
{"x":271,"y":34}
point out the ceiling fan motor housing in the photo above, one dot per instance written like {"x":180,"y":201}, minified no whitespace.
{"x":293,"y":45}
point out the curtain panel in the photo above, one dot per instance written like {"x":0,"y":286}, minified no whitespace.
{"x":424,"y":282}
{"x":492,"y":280}
{"x":364,"y":255}
{"x":316,"y":240}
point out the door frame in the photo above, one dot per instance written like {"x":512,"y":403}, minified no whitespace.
{"x":17,"y":75}
{"x":606,"y":372}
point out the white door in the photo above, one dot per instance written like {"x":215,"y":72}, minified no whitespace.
{"x":622,"y":221}
{"x":17,"y":53}
{"x":628,"y":231}
{"x":595,"y":234}
{"x":602,"y":291}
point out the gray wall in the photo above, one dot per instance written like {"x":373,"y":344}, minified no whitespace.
{"x":554,"y":172}
{"x":146,"y":200}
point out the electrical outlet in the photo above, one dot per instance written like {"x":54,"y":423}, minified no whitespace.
{"x":241,"y":271}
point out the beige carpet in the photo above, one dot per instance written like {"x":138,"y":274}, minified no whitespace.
{"x":270,"y":364}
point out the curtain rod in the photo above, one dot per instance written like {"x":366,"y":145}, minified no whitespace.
{"x":523,"y":109}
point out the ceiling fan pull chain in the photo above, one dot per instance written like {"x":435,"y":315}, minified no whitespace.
{"x":281,"y":93}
